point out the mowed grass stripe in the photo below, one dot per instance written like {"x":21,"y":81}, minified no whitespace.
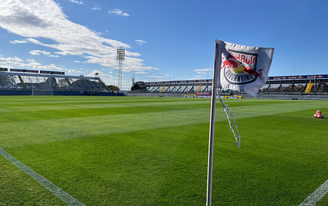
{"x":70,"y":113}
{"x":30,"y":100}
{"x":12,"y":105}
{"x":35,"y":132}
{"x":90,"y":106}
{"x":7,"y":100}
{"x":81,"y":98}
{"x":86,"y":100}
{"x":109,"y":101}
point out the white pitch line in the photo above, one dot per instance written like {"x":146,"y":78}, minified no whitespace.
{"x":314,"y":198}
{"x":61,"y":194}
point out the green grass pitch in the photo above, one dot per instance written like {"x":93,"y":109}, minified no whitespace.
{"x":153,"y":151}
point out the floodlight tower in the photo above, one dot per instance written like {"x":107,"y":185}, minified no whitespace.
{"x":120,"y":57}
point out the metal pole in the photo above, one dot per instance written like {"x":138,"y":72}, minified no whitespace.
{"x":119,"y":75}
{"x":211,"y":149}
{"x":215,"y":84}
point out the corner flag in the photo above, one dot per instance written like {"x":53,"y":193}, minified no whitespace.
{"x":241,"y":68}
{"x":236,"y":67}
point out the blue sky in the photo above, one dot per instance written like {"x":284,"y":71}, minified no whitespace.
{"x":164,"y":40}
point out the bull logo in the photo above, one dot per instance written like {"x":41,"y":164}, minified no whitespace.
{"x":240,"y":68}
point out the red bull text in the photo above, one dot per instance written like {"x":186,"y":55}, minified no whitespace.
{"x":240,"y":68}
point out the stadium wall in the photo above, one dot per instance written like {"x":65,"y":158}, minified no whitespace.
{"x":67,"y":93}
{"x":287,"y":97}
{"x":61,"y":93}
{"x":157,"y":94}
{"x":15,"y":92}
{"x":245,"y":96}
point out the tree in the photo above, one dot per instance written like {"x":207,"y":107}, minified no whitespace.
{"x":52,"y":82}
{"x":7,"y":81}
{"x":62,"y":83}
{"x":113,"y":88}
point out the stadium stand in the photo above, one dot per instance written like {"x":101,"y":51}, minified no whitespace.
{"x":33,"y":82}
{"x":304,"y":84}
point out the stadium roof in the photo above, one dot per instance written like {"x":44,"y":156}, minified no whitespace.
{"x":46,"y":75}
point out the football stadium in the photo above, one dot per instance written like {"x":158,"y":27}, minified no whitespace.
{"x":163,"y":103}
{"x":138,"y":149}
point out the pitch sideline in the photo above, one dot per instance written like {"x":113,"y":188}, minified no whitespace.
{"x":61,"y":194}
{"x":314,"y":198}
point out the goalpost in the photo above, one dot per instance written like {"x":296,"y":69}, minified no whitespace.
{"x":42,"y":92}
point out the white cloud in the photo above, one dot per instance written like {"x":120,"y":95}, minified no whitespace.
{"x":140,"y":42}
{"x":141,"y":72}
{"x":37,"y":52}
{"x":77,"y":61}
{"x":77,"y":2}
{"x":157,"y":77}
{"x":197,"y":77}
{"x":203,"y":71}
{"x":73,"y":71}
{"x":15,"y":62}
{"x":130,"y":64}
{"x":18,"y":42}
{"x":96,"y":7}
{"x":118,"y":12}
{"x":44,"y":19}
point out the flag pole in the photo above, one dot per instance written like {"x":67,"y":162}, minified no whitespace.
{"x":210,"y":150}
{"x":215,"y":84}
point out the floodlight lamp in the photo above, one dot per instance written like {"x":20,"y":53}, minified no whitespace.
{"x":120,"y":54}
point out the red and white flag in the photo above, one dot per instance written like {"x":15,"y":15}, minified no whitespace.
{"x":241,"y":68}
